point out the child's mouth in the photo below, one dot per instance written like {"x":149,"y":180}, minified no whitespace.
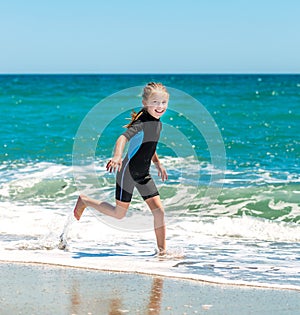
{"x":159,"y":111}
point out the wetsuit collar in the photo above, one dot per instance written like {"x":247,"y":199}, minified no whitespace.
{"x":150,"y":117}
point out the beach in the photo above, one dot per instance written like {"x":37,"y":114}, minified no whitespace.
{"x":49,"y":289}
{"x":231,"y":148}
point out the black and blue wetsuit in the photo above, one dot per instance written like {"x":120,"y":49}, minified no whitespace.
{"x":143,"y":135}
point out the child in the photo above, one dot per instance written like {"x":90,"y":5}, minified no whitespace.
{"x":143,"y":134}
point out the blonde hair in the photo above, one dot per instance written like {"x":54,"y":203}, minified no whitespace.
{"x":149,"y":89}
{"x":152,"y":87}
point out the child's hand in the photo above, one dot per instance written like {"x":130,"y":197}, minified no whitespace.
{"x":161,"y":171}
{"x":114,"y":164}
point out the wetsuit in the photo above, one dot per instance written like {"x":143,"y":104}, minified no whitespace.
{"x":143,"y":135}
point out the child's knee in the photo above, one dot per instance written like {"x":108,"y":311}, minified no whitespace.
{"x":120,"y":215}
{"x":158,"y":212}
{"x":159,"y":217}
{"x":120,"y":212}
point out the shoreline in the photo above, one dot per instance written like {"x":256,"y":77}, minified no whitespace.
{"x":31,"y":288}
{"x":146,"y":272}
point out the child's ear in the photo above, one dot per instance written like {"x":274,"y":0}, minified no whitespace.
{"x":144,"y":103}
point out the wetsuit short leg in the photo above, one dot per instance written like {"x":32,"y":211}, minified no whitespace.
{"x":146,"y":187}
{"x":125,"y":185}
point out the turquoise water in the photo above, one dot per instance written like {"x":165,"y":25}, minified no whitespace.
{"x":258,"y":117}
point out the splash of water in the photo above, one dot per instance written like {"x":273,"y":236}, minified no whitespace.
{"x":64,"y":235}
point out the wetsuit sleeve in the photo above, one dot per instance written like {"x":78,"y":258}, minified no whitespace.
{"x":135,"y":128}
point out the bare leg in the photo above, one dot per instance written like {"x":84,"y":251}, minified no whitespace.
{"x":79,"y":208}
{"x":157,"y":209}
{"x":118,"y":211}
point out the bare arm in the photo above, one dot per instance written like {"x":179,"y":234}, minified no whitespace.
{"x":161,"y":170}
{"x":155,"y":158}
{"x":115,"y":162}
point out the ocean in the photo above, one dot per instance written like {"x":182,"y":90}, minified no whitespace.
{"x":230,"y":144}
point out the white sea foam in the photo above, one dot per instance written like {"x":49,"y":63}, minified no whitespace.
{"x":213,"y":250}
{"x":245,"y":228}
{"x":207,"y":243}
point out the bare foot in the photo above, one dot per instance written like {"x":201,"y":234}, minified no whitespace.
{"x":162,"y":252}
{"x":79,"y":208}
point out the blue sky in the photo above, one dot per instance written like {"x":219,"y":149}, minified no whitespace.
{"x":157,"y":36}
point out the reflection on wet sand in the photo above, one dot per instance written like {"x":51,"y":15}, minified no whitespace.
{"x":155,"y":296}
{"x":75,"y":298}
{"x":113,"y":306}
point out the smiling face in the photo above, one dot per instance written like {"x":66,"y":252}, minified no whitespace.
{"x":157,"y":103}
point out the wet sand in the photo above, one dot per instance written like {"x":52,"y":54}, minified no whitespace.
{"x":45,"y":289}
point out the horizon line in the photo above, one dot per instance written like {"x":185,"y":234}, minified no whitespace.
{"x":153,"y":73}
